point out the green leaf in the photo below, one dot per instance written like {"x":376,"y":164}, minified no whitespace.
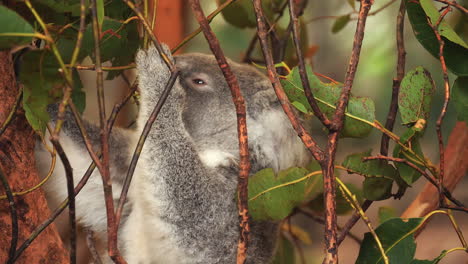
{"x":300,"y":107}
{"x":460,"y":97}
{"x":78,"y":96}
{"x":340,"y":23}
{"x":410,"y":139}
{"x":434,"y":261}
{"x":273,"y":197}
{"x":113,"y":42}
{"x":241,"y":13}
{"x":415,"y":97}
{"x":42,"y":85}
{"x":396,"y":236}
{"x":360,"y":109}
{"x":117,"y":10}
{"x":342,"y":205}
{"x":11,"y":22}
{"x":64,"y":6}
{"x":285,"y":252}
{"x":386,"y":212}
{"x":379,"y":175}
{"x":352,"y":3}
{"x":132,"y":43}
{"x":455,"y":49}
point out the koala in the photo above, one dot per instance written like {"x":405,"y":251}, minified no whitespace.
{"x":181,"y":205}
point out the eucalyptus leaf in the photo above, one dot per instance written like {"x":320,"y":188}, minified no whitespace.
{"x":12,"y":23}
{"x":114,"y":40}
{"x":342,"y":205}
{"x":410,"y":139}
{"x":273,"y":197}
{"x":385,"y":213}
{"x":43,"y":85}
{"x":455,"y":49}
{"x":241,"y":13}
{"x":396,"y":236}
{"x":340,"y":23}
{"x":460,"y":97}
{"x":415,"y":97}
{"x":379,"y":175}
{"x":360,"y":110}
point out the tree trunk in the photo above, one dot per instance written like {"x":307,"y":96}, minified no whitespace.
{"x":18,"y":165}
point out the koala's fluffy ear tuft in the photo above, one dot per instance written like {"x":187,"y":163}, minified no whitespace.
{"x":146,"y":60}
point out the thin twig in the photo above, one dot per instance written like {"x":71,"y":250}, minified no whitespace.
{"x":149,"y":32}
{"x":321,"y":220}
{"x":422,"y":172}
{"x":454,"y":4}
{"x":79,"y":36}
{"x":446,"y":101}
{"x":355,"y":204}
{"x":352,"y":221}
{"x":12,"y":111}
{"x":13,"y":216}
{"x":112,"y":227}
{"x":239,"y":102}
{"x":302,"y":69}
{"x":392,"y":112}
{"x":111,"y":68}
{"x":331,"y":245}
{"x":353,"y":63}
{"x":141,"y":142}
{"x":308,"y":141}
{"x":197,"y":31}
{"x":71,"y":194}
{"x":77,"y":190}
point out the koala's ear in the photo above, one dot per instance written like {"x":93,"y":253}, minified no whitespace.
{"x":145,"y":59}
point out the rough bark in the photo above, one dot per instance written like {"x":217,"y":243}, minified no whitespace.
{"x":18,"y":165}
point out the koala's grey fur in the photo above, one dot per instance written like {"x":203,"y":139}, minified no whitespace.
{"x":183,"y":207}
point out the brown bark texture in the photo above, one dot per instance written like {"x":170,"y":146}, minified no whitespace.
{"x":18,"y":165}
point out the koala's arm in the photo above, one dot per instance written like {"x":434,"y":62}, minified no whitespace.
{"x":190,"y":197}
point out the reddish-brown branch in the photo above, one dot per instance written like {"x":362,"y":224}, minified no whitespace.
{"x":262,"y":33}
{"x":352,"y":221}
{"x":71,"y":195}
{"x":302,"y":69}
{"x":112,"y":229}
{"x":353,"y":63}
{"x":38,"y":230}
{"x":392,"y":112}
{"x":331,"y":241}
{"x":433,"y":181}
{"x":329,"y":197}
{"x":454,"y":4}
{"x":456,"y":167}
{"x":239,"y":103}
{"x":446,"y":101}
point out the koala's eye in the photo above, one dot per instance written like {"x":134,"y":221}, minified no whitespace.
{"x":198,"y":81}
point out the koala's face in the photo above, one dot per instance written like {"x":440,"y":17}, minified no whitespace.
{"x":209,"y":111}
{"x":208,"y":107}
